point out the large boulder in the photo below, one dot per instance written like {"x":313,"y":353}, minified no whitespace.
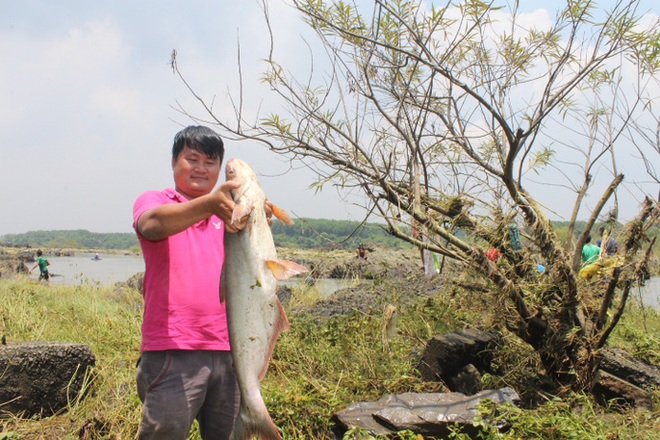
{"x":638,"y":372}
{"x":429,"y":414}
{"x":42,"y":378}
{"x":458,"y":359}
{"x":625,"y":380}
{"x":609,"y":388}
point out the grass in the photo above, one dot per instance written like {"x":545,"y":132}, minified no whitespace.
{"x":318,"y":367}
{"x":106,"y":319}
{"x":639,"y":331}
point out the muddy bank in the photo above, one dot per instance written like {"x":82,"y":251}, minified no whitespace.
{"x":391,"y":277}
{"x":379,"y":263}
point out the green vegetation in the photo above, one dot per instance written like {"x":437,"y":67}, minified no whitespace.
{"x":75,"y":239}
{"x":305,"y":234}
{"x":105,"y":318}
{"x":319,"y":366}
{"x":340,"y":234}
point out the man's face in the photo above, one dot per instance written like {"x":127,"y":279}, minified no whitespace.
{"x":195,"y":174}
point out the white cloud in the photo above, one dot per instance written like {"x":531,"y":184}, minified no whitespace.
{"x":85,"y":103}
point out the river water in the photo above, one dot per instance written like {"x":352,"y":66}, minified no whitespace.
{"x":649,"y":294}
{"x":111,"y":268}
{"x":83,"y":269}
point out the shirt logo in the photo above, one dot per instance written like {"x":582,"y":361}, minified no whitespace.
{"x":217,"y":225}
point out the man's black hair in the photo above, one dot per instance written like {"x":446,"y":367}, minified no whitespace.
{"x":201,"y":139}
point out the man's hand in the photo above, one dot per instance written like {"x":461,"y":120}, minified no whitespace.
{"x":268,"y":208}
{"x":226,"y":207}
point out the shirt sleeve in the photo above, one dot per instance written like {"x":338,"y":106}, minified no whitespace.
{"x":146,"y":201}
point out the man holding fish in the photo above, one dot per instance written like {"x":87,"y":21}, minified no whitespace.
{"x":186,"y":370}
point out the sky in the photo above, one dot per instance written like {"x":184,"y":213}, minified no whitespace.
{"x":88,"y":104}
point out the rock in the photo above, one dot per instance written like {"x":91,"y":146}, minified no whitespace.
{"x":42,"y":378}
{"x":625,"y":379}
{"x":26,"y":256}
{"x":608,"y":387}
{"x":10,"y":266}
{"x":446,"y":358}
{"x":619,"y":363}
{"x":430,"y":414}
{"x":467,"y":381}
{"x":136,"y":281}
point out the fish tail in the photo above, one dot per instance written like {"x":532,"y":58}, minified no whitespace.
{"x":259,"y":425}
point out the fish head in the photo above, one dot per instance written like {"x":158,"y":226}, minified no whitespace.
{"x":248,"y":194}
{"x":240,"y":172}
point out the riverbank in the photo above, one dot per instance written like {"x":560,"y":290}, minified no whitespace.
{"x":78,"y":266}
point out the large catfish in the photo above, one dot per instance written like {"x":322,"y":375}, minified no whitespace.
{"x":254,"y":313}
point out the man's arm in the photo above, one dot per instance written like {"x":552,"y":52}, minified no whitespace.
{"x":166,"y":220}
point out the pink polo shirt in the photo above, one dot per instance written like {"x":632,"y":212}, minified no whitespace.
{"x":182,"y":308}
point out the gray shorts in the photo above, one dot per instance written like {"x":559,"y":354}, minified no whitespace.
{"x":178,"y":386}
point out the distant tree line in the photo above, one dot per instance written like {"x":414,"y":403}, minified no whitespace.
{"x":337,"y":234}
{"x":304,"y":234}
{"x":71,"y":239}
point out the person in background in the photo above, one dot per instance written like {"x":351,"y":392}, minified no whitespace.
{"x":185,"y":371}
{"x":43,"y":264}
{"x":362,"y":251}
{"x":590,"y":252}
{"x":611,"y":246}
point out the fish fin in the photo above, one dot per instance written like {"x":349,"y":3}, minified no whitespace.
{"x":283,"y":322}
{"x":281,"y":325}
{"x":240,"y":211}
{"x":250,"y":424}
{"x":281,"y":215}
{"x":284,"y":269}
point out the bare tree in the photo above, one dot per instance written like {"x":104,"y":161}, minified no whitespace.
{"x":449,"y":117}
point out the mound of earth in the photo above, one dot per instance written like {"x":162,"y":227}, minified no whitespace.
{"x":372,"y":298}
{"x":391,"y":277}
{"x":344,"y":264}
